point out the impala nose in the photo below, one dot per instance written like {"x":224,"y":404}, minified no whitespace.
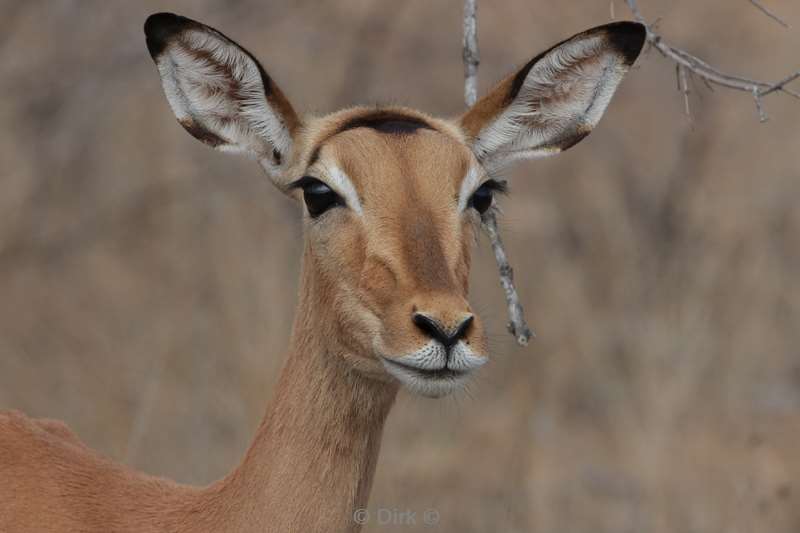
{"x":448,"y":336}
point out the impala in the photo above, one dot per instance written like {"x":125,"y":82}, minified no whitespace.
{"x":392,"y":199}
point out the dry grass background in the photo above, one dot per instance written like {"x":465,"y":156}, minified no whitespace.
{"x":147,"y":283}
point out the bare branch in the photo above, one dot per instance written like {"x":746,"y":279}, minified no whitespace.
{"x":761,"y":7}
{"x":711,"y":75}
{"x":516,"y":316}
{"x":470,"y":55}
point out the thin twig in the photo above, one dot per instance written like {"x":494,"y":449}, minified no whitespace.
{"x":683,"y":86}
{"x":779,"y":86}
{"x":762,"y":115}
{"x":470,"y":55}
{"x":712,"y":75}
{"x":516,"y":316}
{"x":761,"y":7}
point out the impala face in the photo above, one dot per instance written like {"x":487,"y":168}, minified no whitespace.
{"x":393,"y":201}
{"x":392,"y":198}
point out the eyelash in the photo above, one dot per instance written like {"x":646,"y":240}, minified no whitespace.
{"x":499,"y":186}
{"x":482,"y":198}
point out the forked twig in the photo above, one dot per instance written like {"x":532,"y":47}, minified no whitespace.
{"x":712,"y":75}
{"x":516,"y":316}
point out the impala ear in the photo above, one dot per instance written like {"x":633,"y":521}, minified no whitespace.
{"x":556,"y":99}
{"x":219,"y":92}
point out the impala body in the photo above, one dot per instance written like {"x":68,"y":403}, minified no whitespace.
{"x":392,"y":200}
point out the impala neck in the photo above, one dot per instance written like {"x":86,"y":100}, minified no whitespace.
{"x":312,"y":461}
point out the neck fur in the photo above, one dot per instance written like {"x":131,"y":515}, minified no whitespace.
{"x":312,"y":461}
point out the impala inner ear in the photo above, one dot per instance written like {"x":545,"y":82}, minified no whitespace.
{"x":556,"y":99}
{"x":220,"y":93}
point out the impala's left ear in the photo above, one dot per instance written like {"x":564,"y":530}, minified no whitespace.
{"x":556,"y":99}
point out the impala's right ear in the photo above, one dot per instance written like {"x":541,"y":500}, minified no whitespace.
{"x":556,"y":99}
{"x":220,"y":93}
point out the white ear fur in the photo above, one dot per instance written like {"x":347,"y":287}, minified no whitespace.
{"x":556,"y":99}
{"x":219,"y":92}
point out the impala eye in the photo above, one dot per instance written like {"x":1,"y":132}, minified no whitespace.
{"x":481,"y":199}
{"x":317,"y":196}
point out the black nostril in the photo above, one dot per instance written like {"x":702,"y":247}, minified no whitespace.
{"x":429,"y":326}
{"x":435,"y":330}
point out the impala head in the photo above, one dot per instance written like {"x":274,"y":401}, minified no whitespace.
{"x":392,"y":198}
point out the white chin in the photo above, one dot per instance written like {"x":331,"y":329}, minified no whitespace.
{"x":431,"y":387}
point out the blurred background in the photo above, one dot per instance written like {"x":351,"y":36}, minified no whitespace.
{"x":146,"y":280}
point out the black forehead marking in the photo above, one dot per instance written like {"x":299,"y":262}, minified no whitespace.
{"x":387,"y":122}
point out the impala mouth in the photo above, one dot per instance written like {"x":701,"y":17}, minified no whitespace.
{"x":433,"y":370}
{"x":427,"y":373}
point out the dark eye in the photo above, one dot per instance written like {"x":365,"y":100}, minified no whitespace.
{"x":318,"y":196}
{"x":481,"y":199}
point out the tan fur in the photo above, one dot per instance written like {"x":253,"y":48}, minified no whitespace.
{"x":367,"y":269}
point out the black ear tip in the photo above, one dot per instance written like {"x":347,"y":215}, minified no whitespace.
{"x":628,"y":38}
{"x":159,"y":27}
